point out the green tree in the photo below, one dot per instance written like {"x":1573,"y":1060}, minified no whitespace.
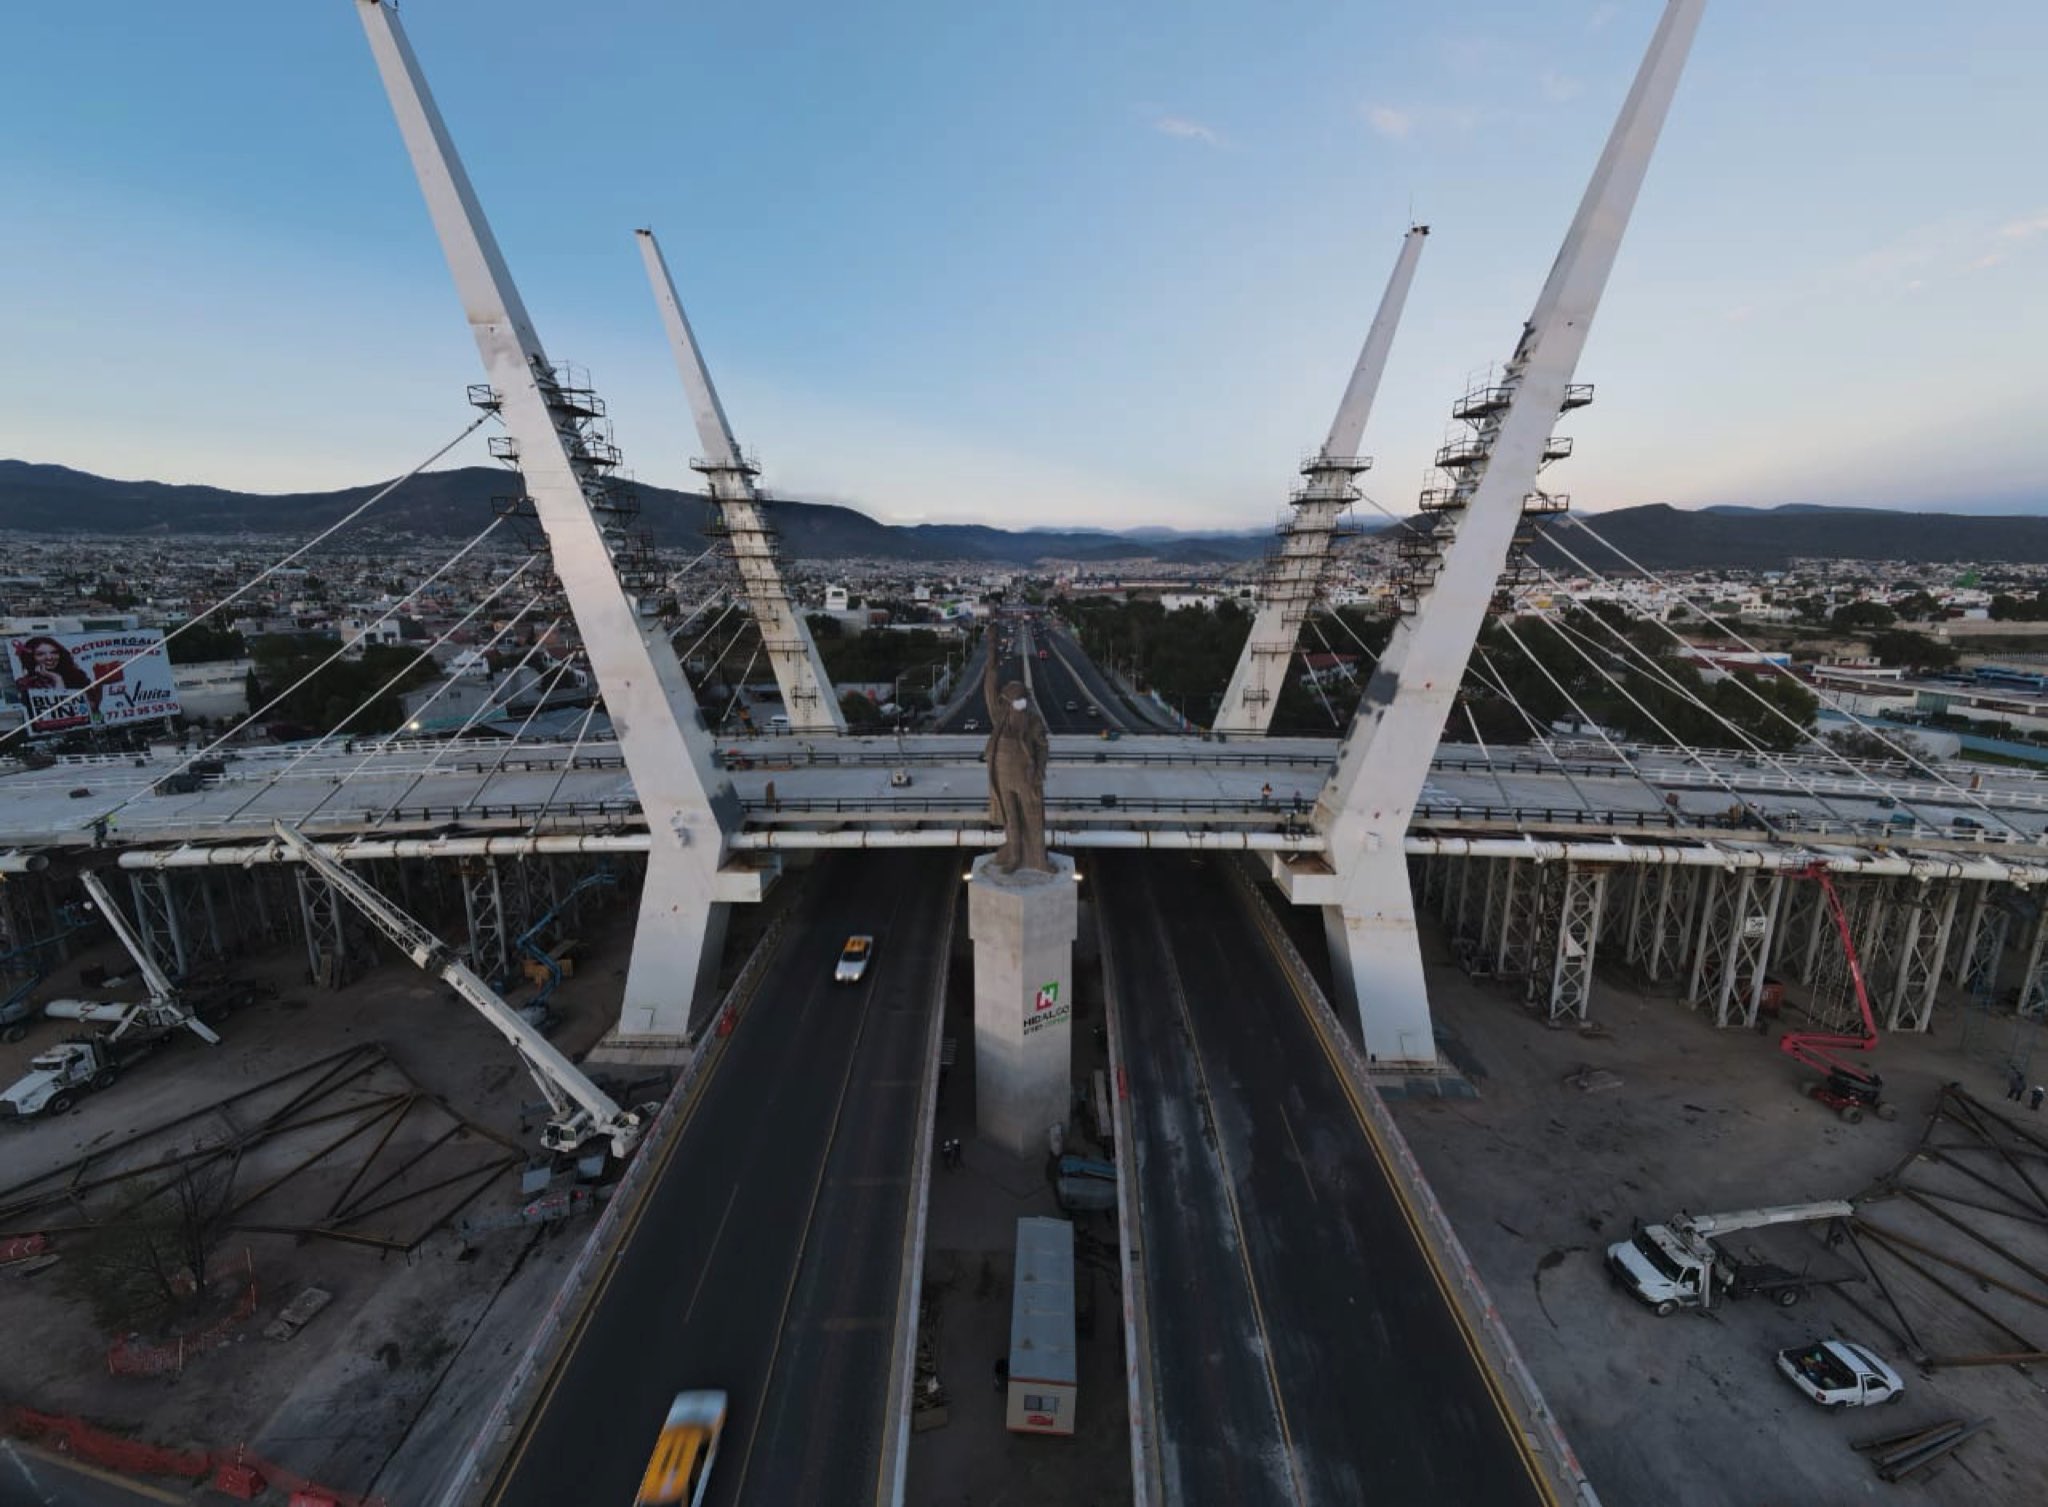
{"x":1854,"y":617}
{"x":1914,"y":651}
{"x":204,"y":643}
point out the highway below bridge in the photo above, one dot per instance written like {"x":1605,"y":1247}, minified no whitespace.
{"x":766,"y":1256}
{"x":1305,"y":1348}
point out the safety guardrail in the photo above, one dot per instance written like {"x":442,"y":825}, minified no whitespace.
{"x":910,"y":1282}
{"x":1147,"y":1479}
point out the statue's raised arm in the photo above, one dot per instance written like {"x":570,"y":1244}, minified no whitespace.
{"x":991,"y":689}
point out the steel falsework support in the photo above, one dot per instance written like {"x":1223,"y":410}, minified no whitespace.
{"x":1294,"y":575}
{"x":160,"y":924}
{"x":807,"y":695}
{"x":1365,"y":809}
{"x":1574,"y":927}
{"x":1737,"y":924}
{"x":690,"y":811}
{"x":1928,"y":916}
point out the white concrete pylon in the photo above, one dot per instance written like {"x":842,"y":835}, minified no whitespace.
{"x":807,"y":695}
{"x":690,"y":809}
{"x":1366,"y":807}
{"x":1294,"y":576}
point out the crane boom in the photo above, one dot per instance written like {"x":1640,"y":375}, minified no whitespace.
{"x":165,"y":1008}
{"x":1756,"y":1219}
{"x":1818,"y":1049}
{"x":582,"y":1110}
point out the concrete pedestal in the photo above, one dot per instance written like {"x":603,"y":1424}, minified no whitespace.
{"x":1023,"y":926}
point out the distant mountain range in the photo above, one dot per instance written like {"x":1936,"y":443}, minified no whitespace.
{"x":1738,"y":538}
{"x":45,"y":499}
{"x":455,"y":504}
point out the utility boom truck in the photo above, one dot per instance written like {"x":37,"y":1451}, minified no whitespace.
{"x":581,"y":1110}
{"x":1683,"y":1264}
{"x":130,"y":1032}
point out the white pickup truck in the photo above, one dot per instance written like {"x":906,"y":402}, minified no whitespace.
{"x":1839,"y":1374}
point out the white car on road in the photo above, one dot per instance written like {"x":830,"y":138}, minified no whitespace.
{"x":853,"y":960}
{"x":1840,"y":1374}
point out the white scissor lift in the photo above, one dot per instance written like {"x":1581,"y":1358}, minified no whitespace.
{"x":581,"y":1110}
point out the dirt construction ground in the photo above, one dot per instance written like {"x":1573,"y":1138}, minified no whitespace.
{"x":377,"y":1393}
{"x":1540,"y":1174}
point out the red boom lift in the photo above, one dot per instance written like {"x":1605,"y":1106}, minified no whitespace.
{"x":1849,"y":1090}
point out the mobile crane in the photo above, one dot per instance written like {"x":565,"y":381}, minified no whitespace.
{"x":1850,"y":1091}
{"x":581,"y":1110}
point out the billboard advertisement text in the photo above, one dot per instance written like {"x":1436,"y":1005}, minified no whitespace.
{"x":69,"y":681}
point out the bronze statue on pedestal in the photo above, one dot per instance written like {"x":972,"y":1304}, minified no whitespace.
{"x":1017,"y":753}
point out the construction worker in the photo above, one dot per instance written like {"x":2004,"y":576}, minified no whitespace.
{"x":2034,"y":1099}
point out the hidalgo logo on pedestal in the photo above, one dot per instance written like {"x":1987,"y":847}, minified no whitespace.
{"x":1045,"y":1007}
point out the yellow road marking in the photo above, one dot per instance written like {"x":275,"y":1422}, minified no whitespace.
{"x":1266,"y":923}
{"x":93,"y":1472}
{"x":717,"y":1045}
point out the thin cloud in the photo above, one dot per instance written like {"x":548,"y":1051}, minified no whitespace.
{"x":2026,"y":229}
{"x":1389,"y":122}
{"x":1557,"y":88}
{"x":1186,"y":130}
{"x":1601,"y":15}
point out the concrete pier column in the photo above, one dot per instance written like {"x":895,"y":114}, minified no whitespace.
{"x":1023,"y":926}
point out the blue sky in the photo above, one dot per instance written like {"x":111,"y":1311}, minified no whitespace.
{"x":1097,"y":263}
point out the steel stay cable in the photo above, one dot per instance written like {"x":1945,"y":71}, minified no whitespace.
{"x":740,"y":689}
{"x":270,"y":570}
{"x":1808,"y":734}
{"x":568,"y":766}
{"x":512,"y":742}
{"x":1335,"y":721}
{"x":1692,"y":753}
{"x":1901,"y":751}
{"x":186,"y":763}
{"x":489,"y":703}
{"x":1508,"y":627}
{"x":1674,"y":684}
{"x":370,"y":700}
{"x":730,"y":607}
{"x":384,"y":744}
{"x":1490,"y":678}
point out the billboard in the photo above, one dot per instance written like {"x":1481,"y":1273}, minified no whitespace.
{"x":76,"y":680}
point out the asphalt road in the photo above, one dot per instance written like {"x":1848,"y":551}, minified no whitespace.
{"x":1302,"y":1350}
{"x":1064,"y":677}
{"x":766,"y":1258}
{"x":32,"y":1477}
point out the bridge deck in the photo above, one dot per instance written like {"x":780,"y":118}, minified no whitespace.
{"x":1154,"y":781}
{"x":1304,"y":1349}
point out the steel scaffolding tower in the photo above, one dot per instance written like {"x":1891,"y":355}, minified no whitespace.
{"x":1292,"y":579}
{"x":729,"y":471}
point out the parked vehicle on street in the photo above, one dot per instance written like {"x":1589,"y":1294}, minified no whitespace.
{"x":1840,"y":1374}
{"x":1683,"y":1265}
{"x":57,"y":1078}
